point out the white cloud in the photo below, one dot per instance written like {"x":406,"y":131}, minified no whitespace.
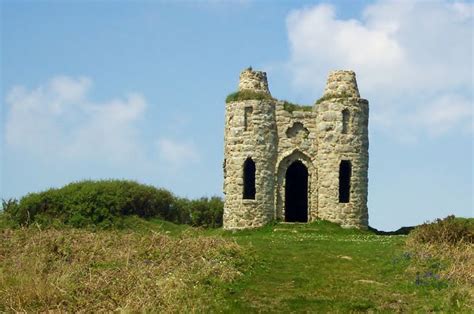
{"x":58,"y":121}
{"x":319,"y":40}
{"x":111,"y":130}
{"x":411,"y":57}
{"x":444,"y":114}
{"x":177,"y":153}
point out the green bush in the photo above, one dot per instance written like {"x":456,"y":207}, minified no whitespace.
{"x":104,"y":203}
{"x":450,"y":230}
{"x":247,"y":95}
{"x":206,"y":212}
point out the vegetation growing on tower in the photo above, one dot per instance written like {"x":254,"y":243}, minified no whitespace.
{"x":248,"y":95}
{"x":334,"y":97}
{"x":290,"y":107}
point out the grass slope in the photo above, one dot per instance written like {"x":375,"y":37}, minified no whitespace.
{"x":301,"y":268}
{"x":154,"y":265}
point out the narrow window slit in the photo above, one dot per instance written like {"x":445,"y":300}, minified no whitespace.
{"x":346,"y":115}
{"x":249,"y":179}
{"x":345,"y":172}
{"x":247,"y":118}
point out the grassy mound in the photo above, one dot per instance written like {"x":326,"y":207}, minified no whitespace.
{"x":155,"y":265}
{"x":71,"y":270}
{"x":105,"y":203}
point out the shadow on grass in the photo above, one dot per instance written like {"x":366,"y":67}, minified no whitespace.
{"x":401,"y":231}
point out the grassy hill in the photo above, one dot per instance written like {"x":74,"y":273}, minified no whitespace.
{"x":160,"y":266}
{"x":118,"y":245}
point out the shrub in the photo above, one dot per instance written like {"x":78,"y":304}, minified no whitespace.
{"x":247,"y":95}
{"x":104,"y":203}
{"x":450,"y":230}
{"x":206,"y":212}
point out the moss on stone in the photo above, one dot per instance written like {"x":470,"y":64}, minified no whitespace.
{"x":290,"y":107}
{"x":247,"y":95}
{"x":334,"y":96}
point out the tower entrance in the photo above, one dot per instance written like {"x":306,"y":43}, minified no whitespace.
{"x":296,"y":193}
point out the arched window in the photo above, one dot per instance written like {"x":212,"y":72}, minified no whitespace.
{"x":345,"y":172}
{"x":346,"y":115}
{"x":249,"y":179}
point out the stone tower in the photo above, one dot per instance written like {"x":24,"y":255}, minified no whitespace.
{"x":295,"y":163}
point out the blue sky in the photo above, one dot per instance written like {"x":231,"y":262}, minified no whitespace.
{"x":135,"y":89}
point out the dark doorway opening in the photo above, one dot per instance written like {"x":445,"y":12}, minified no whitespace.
{"x":345,"y":171}
{"x":296,"y":193}
{"x":249,"y":179}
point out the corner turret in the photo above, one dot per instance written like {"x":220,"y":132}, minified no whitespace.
{"x":343,"y":156}
{"x":250,"y":150}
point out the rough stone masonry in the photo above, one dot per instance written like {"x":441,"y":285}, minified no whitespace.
{"x":293,"y":163}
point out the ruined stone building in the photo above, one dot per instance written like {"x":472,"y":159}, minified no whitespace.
{"x":295,"y":163}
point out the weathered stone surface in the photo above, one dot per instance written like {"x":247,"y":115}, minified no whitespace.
{"x":274,"y":138}
{"x":253,"y":80}
{"x":341,"y":84}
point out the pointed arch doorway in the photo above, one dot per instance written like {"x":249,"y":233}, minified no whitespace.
{"x":296,"y":193}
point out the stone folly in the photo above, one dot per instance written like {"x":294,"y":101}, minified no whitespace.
{"x":292,"y":163}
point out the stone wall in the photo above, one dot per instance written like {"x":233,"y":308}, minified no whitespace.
{"x":274,"y":138}
{"x":296,"y":141}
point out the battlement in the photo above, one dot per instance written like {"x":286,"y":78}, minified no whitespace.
{"x":341,"y":83}
{"x":254,"y":81}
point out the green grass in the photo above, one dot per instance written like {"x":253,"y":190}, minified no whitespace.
{"x":290,"y":107}
{"x":247,"y":95}
{"x":316,"y":267}
{"x":328,"y":97}
{"x":322,"y":266}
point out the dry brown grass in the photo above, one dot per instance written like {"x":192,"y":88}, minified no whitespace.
{"x":456,"y":262}
{"x":449,"y":230}
{"x":449,"y":243}
{"x":78,"y":270}
{"x":443,"y":254}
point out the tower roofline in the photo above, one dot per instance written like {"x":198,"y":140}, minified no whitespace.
{"x":341,"y":83}
{"x":253,"y":81}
